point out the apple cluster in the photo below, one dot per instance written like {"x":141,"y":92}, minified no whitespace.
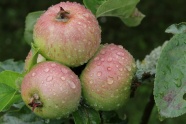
{"x":68,"y":35}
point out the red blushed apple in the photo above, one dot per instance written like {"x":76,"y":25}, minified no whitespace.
{"x":68,"y":33}
{"x":51,"y":90}
{"x":106,"y":79}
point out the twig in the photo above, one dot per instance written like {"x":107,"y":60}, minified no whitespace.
{"x":148,"y":109}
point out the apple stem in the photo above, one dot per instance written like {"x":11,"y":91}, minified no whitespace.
{"x":62,"y":15}
{"x":35,"y":102}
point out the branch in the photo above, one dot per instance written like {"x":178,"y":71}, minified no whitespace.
{"x":148,"y":109}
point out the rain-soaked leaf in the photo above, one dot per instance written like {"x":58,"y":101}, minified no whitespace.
{"x":25,"y":116}
{"x":93,"y":4}
{"x":10,"y":78}
{"x":170,"y":80}
{"x":8,"y":96}
{"x":177,"y":28}
{"x":86,"y":115}
{"x":124,"y":9}
{"x":135,"y":18}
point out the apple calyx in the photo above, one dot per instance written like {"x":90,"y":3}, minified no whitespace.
{"x":62,"y":15}
{"x":35,"y":102}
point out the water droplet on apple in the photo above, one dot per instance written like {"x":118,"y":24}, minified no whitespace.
{"x":53,"y":64}
{"x":102,"y":59}
{"x":109,"y":68}
{"x":91,"y":82}
{"x":120,"y":46}
{"x":46,"y":70}
{"x":120,"y":69}
{"x":98,"y":63}
{"x":128,"y":68}
{"x":109,"y":59}
{"x":49,"y":78}
{"x":99,"y":73}
{"x":71,"y":84}
{"x":110,"y":80}
{"x":96,"y":58}
{"x":33,"y":74}
{"x":64,"y":70}
{"x":62,"y":78}
{"x":120,"y":54}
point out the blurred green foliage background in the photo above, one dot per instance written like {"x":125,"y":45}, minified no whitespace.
{"x":138,"y":40}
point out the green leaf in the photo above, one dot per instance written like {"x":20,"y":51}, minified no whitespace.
{"x":85,"y":115}
{"x":31,"y":19}
{"x":93,"y":4}
{"x":117,"y":8}
{"x":25,"y":116}
{"x":177,"y":28}
{"x":10,"y":64}
{"x":11,"y":79}
{"x":134,"y":19}
{"x":33,"y":58}
{"x":170,"y":80}
{"x":124,"y":9}
{"x":8,"y":96}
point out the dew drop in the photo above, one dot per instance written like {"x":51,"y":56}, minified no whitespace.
{"x":118,"y":105}
{"x":128,"y":68}
{"x":53,"y":64}
{"x":96,"y":58}
{"x":109,"y":68}
{"x":42,"y":82}
{"x":46,"y":70}
{"x":102,"y":59}
{"x":91,"y":82}
{"x":69,"y":56}
{"x":71,"y":84}
{"x":49,"y":78}
{"x":110,"y":80}
{"x":120,"y":54}
{"x":109,"y":59}
{"x":54,"y":93}
{"x":62,"y":78}
{"x":120,"y":69}
{"x":95,"y":105}
{"x":117,"y":66}
{"x":56,"y":106}
{"x":99,"y":74}
{"x":178,"y":83}
{"x":64,"y":70}
{"x":47,"y":121}
{"x":71,"y":76}
{"x":33,"y":74}
{"x":98,"y":63}
{"x":120,"y":46}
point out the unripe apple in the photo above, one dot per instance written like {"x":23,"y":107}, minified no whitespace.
{"x":106,"y":79}
{"x":51,"y":90}
{"x":68,"y":33}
